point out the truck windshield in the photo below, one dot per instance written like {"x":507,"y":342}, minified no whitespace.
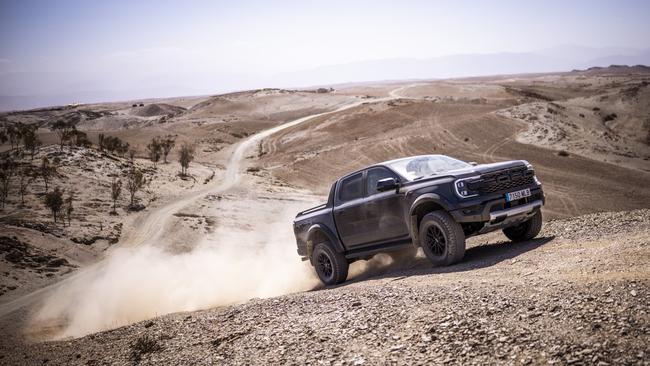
{"x":417,"y":167}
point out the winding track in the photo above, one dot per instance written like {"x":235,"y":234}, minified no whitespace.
{"x":148,"y":227}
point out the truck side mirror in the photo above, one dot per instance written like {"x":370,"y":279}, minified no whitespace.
{"x":387,"y":184}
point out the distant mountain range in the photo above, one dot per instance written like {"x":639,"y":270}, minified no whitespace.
{"x":563,"y":58}
{"x":16,"y":89}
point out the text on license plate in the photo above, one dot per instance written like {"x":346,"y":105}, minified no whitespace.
{"x":513,"y":196}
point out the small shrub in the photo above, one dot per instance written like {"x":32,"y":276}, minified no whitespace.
{"x":582,"y":115}
{"x":610,"y":117}
{"x":563,"y":153}
{"x":143,"y":345}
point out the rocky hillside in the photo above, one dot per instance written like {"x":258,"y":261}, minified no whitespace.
{"x":35,"y":250}
{"x":562,"y":298}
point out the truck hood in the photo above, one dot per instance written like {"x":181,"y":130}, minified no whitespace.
{"x":494,"y":167}
{"x":479,"y":170}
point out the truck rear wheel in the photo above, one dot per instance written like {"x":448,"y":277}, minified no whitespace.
{"x":331,"y":267}
{"x":442,"y":239}
{"x":526,"y":230}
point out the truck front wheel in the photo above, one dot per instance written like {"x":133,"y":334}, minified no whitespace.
{"x":331,"y":267}
{"x":441,"y":238}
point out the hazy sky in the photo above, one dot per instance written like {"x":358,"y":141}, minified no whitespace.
{"x":120,"y":44}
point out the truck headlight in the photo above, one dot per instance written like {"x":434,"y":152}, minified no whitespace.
{"x":529,"y":166}
{"x":466,"y":187}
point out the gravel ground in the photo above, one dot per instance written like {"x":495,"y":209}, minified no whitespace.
{"x":579,"y":294}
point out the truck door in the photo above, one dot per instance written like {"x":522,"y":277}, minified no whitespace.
{"x":349,"y":213}
{"x":384,"y":212}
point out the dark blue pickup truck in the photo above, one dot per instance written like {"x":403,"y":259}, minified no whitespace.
{"x":428,"y":201}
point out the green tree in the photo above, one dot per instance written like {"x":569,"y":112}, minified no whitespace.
{"x":185,"y":157}
{"x":167,"y":144}
{"x":13,"y":134}
{"x":7,"y":169}
{"x":54,"y":201}
{"x":154,"y":149}
{"x":31,"y":140}
{"x":134,"y":182}
{"x":46,"y":170}
{"x":63,"y":131}
{"x":80,"y":138}
{"x":26,"y":177}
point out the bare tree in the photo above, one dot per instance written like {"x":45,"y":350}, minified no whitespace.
{"x":3,"y":135}
{"x":54,"y":201}
{"x":154,"y":148}
{"x":7,"y":169}
{"x":13,"y":134}
{"x":167,"y":144}
{"x":68,"y":205}
{"x":63,"y":131}
{"x":26,"y":177}
{"x":100,"y":141}
{"x":46,"y":171}
{"x":132,"y":153}
{"x":186,"y":156}
{"x":134,"y":182}
{"x":116,"y":190}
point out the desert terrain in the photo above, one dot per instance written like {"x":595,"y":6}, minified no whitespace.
{"x":205,"y":270}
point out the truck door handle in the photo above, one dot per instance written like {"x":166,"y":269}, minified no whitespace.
{"x":340,"y":211}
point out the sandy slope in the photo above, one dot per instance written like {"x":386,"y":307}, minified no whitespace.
{"x":445,"y":118}
{"x":146,"y":230}
{"x":561,"y":298}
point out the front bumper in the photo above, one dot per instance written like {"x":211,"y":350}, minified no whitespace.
{"x":495,"y":210}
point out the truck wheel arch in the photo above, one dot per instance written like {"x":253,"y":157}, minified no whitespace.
{"x":318,"y":233}
{"x":424,"y":204}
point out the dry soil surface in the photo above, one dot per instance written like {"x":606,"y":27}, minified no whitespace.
{"x":579,"y":294}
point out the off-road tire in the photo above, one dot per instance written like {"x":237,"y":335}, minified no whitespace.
{"x":442,"y":239}
{"x":526,"y":230}
{"x":331,"y":266}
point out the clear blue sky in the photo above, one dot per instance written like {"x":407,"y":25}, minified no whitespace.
{"x":236,"y":40}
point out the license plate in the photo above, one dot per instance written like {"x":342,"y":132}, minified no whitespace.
{"x":513,"y":196}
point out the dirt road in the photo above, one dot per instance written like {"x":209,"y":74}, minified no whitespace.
{"x":147,"y":230}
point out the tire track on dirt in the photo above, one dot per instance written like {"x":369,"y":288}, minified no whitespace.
{"x":148,"y":228}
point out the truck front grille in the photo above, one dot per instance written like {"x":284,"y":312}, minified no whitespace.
{"x":505,"y":180}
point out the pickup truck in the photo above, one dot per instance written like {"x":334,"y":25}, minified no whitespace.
{"x":431,"y":202}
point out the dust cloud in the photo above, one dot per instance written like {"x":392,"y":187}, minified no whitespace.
{"x":229,"y":266}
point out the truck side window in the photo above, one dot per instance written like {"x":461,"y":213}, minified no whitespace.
{"x":351,"y":188}
{"x":374,"y":176}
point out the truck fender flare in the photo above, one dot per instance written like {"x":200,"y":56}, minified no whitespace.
{"x":319,"y":228}
{"x":425,"y":199}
